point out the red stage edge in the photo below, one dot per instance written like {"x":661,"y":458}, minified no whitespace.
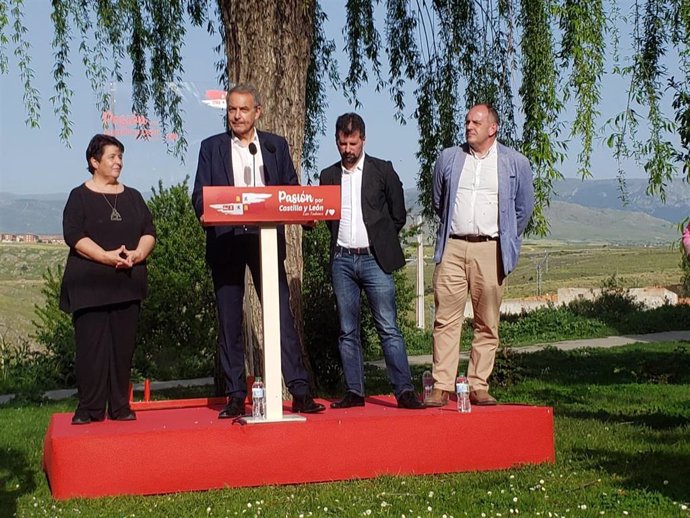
{"x":190,"y":449}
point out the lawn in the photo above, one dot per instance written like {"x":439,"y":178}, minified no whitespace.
{"x":622,"y":430}
{"x":21,"y":279}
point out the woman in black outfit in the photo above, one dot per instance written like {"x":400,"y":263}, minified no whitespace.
{"x":110,"y":232}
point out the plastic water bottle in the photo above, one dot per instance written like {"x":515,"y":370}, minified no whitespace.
{"x":462,"y":389}
{"x":427,"y":384}
{"x":258,"y":399}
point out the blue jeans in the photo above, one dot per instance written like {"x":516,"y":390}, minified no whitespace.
{"x":352,"y":274}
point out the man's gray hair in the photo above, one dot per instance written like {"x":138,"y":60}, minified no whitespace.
{"x":246,"y":88}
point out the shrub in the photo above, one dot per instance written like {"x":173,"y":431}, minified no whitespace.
{"x":611,"y":307}
{"x":26,"y":371}
{"x":177,"y":326}
{"x":321,"y":327}
{"x":549,"y":324}
{"x":53,"y":329}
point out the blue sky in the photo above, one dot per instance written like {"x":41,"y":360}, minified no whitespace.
{"x":34,"y":161}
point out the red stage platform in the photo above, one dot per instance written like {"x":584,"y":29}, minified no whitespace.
{"x":189,"y":449}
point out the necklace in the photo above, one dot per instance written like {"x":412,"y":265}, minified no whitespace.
{"x":114,"y":215}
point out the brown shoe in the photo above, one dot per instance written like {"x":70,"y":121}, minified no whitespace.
{"x":437,"y":397}
{"x":482,"y":398}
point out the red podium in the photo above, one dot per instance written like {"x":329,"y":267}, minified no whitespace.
{"x":186,"y":447}
{"x":268,"y":207}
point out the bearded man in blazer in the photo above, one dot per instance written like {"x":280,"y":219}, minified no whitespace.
{"x":240,"y":157}
{"x":365,"y":250}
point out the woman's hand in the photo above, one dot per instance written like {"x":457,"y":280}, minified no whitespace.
{"x":117,"y":258}
{"x":141,"y":252}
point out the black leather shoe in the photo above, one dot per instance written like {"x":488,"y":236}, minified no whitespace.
{"x":306,"y":405}
{"x":349,"y":400}
{"x":129,"y":416}
{"x":408,"y":399}
{"x":77,"y":419}
{"x":234,"y":408}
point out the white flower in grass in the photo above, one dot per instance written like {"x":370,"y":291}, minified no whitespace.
{"x":515,"y":499}
{"x":683,"y":507}
{"x":208,"y":510}
{"x":431,"y":494}
{"x":249,"y":505}
{"x":666,"y":482}
{"x":625,"y":513}
{"x":541,"y":481}
{"x":488,"y":493}
{"x":428,"y":508}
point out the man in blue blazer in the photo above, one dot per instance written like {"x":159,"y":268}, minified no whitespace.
{"x":243,"y":157}
{"x":483,"y":195}
{"x":365,"y":250}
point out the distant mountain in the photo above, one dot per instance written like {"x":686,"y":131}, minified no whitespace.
{"x":592,"y":210}
{"x":589,"y":210}
{"x":32,"y":213}
{"x":574,"y":223}
{"x":606,"y":194}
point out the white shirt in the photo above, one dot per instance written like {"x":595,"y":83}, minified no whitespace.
{"x":476,"y":203}
{"x":247,"y":170}
{"x":352,"y":233}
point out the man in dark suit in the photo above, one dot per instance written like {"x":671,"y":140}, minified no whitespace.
{"x":365,"y":250}
{"x":242,"y":157}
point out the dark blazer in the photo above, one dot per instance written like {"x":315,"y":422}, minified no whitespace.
{"x":383,"y":210}
{"x":215,"y":168}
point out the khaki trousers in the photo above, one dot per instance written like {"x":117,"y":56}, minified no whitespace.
{"x":475,"y":269}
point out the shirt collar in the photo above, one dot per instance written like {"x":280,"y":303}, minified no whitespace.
{"x":490,"y":152}
{"x":236,"y":140}
{"x":359,"y":166}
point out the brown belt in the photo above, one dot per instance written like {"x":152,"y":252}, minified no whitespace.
{"x":474,"y":239}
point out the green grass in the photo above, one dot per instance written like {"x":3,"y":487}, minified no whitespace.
{"x":572,"y":266}
{"x":586,"y":266}
{"x":622,"y":431}
{"x":21,"y":270}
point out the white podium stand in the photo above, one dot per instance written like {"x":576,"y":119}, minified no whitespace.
{"x":271,"y":323}
{"x":266,"y":207}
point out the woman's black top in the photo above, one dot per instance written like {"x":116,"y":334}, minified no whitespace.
{"x":87,"y":283}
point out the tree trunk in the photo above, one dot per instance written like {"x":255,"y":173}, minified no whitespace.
{"x":268,"y":44}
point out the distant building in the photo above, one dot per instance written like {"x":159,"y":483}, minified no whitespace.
{"x":31,"y":238}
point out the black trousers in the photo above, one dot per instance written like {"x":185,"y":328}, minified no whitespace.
{"x":228,"y":281}
{"x":105,"y":338}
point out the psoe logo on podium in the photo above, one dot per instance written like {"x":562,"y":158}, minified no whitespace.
{"x":273,"y":204}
